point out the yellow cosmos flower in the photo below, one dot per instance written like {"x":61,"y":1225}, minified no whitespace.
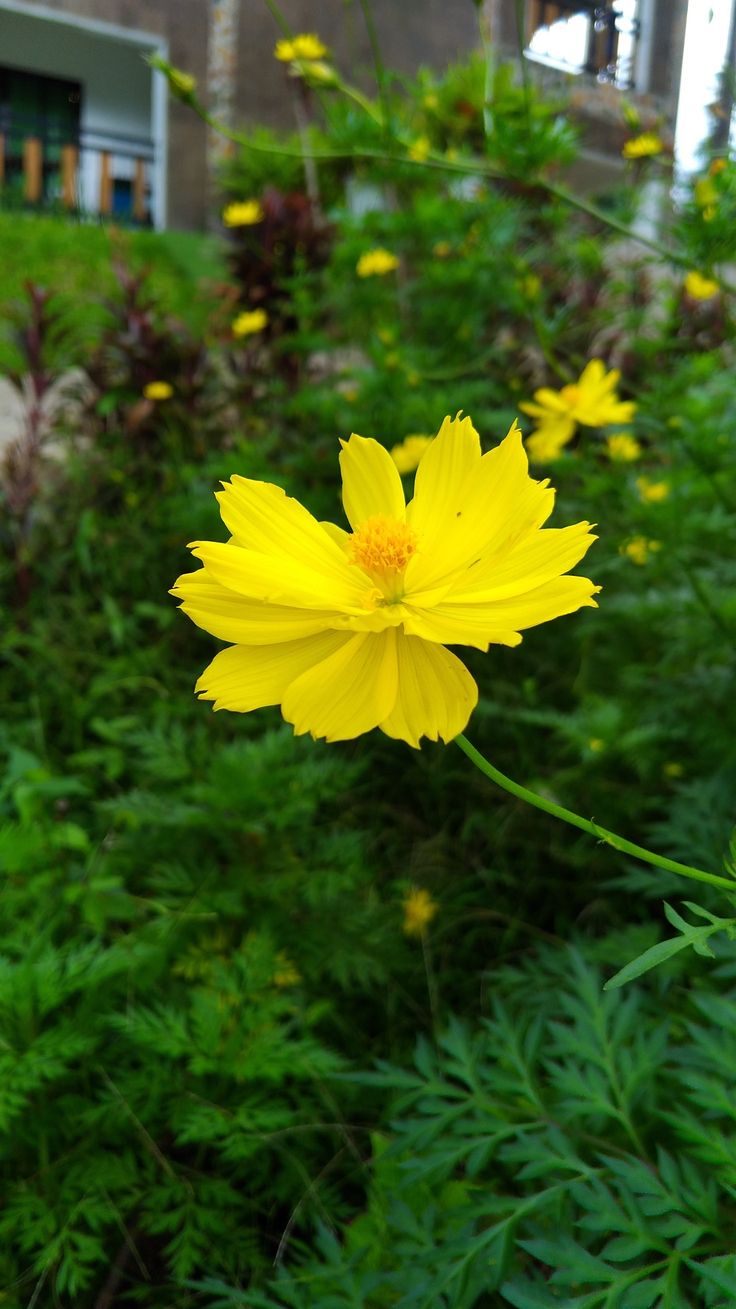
{"x":638,"y":549}
{"x":699,"y":287}
{"x":643,"y":147}
{"x":623,"y":448}
{"x":407,"y":454}
{"x":590,"y":402}
{"x":250,"y":321}
{"x":652,"y":492}
{"x":305,"y":46}
{"x":376,"y":263}
{"x":158,"y":391}
{"x":705,"y":193}
{"x":242,"y":213}
{"x":347,"y":630}
{"x":419,"y":910}
{"x":419,"y":149}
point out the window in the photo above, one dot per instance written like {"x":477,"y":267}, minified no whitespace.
{"x":46,"y":109}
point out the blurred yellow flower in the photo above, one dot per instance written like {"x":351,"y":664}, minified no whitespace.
{"x":347,"y":630}
{"x":623,"y":448}
{"x":652,"y":492}
{"x":183,"y":83}
{"x":419,"y":910}
{"x":545,"y":443}
{"x":717,"y":166}
{"x":376,"y":263}
{"x":158,"y":391}
{"x":673,"y":769}
{"x":419,"y":149}
{"x":590,"y":402}
{"x":699,"y":287}
{"x":286,"y":974}
{"x":595,"y":744}
{"x":242,"y":213}
{"x":442,"y":250}
{"x":638,"y":549}
{"x":430,"y":101}
{"x":530,"y":286}
{"x":706,"y":193}
{"x":249,"y":322}
{"x":643,"y":147}
{"x":305,"y":46}
{"x":407,"y":454}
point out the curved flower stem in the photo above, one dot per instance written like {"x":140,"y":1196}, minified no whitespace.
{"x":585,"y":824}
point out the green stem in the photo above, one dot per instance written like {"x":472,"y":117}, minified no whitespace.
{"x":378,"y":65}
{"x":585,"y":825}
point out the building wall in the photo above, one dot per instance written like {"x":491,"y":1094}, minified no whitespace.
{"x":184,"y":25}
{"x":432,"y":32}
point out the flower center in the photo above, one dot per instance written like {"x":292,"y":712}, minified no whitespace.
{"x":383,"y":547}
{"x":571,"y":395}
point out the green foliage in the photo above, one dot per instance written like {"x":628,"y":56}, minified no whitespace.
{"x":547,"y":1157}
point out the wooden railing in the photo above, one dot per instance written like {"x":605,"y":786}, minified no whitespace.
{"x":46,"y":176}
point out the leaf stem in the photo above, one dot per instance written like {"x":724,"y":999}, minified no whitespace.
{"x":586,"y":825}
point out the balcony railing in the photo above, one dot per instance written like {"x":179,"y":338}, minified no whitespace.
{"x":90,"y":173}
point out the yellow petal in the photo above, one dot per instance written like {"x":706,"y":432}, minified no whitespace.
{"x":536,"y":559}
{"x":498,"y":500}
{"x":232,"y":617}
{"x":349,"y":692}
{"x":262,"y":517}
{"x":503,"y":620}
{"x":280,"y":581}
{"x":443,"y":476}
{"x":245,"y":677}
{"x":436,"y":693}
{"x":468,"y":624}
{"x":371,"y":483}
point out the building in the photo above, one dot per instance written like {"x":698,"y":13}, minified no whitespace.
{"x":87,"y":124}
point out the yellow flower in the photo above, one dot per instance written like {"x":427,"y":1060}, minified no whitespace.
{"x":546,"y":443}
{"x":406,"y":456}
{"x":706,"y":193}
{"x":699,"y":287}
{"x":623,"y":448}
{"x":530,"y":286}
{"x":158,"y":391}
{"x":376,"y":263}
{"x":419,"y":910}
{"x":347,"y":630}
{"x":717,"y":166}
{"x":184,"y":84}
{"x":250,"y":321}
{"x":242,"y":213}
{"x":306,"y":46}
{"x":673,"y":769}
{"x":419,"y":149}
{"x":652,"y":492}
{"x":643,"y":147}
{"x":442,"y":250}
{"x":595,"y":744}
{"x":286,"y":974}
{"x":638,"y":549}
{"x":590,"y":402}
